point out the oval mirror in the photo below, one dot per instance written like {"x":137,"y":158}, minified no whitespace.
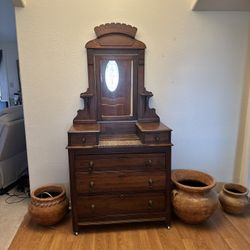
{"x":112,"y":75}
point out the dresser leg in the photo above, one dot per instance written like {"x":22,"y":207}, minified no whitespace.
{"x":75,"y":229}
{"x":168,"y":224}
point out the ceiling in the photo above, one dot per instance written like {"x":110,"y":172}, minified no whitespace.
{"x":7,"y":21}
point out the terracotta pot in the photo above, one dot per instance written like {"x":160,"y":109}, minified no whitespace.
{"x":193,"y":198}
{"x":233,"y":198}
{"x":48,"y":205}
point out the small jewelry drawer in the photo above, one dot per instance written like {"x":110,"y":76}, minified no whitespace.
{"x":120,"y":204}
{"x":83,"y":139}
{"x":153,"y":133}
{"x":156,"y":138}
{"x":112,"y":181}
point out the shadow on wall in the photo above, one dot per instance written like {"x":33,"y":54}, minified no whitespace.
{"x":242,"y":162}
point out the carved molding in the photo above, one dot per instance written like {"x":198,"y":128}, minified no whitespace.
{"x":85,"y":115}
{"x":115,"y":28}
{"x":147,"y":114}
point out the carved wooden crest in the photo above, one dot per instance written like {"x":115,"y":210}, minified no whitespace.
{"x":115,"y":28}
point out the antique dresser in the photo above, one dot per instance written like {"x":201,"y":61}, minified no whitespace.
{"x":119,"y":151}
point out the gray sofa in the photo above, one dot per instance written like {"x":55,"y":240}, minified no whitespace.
{"x":13,"y":156}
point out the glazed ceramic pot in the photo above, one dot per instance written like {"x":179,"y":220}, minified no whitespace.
{"x":233,"y":198}
{"x":193,"y":198}
{"x":48,"y":205}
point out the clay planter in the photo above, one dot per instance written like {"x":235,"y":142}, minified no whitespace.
{"x":233,"y":198}
{"x":193,"y":197}
{"x":48,"y":204}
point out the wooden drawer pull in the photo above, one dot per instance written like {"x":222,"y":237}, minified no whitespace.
{"x":83,"y":140}
{"x":148,"y":163}
{"x":91,"y":166}
{"x":150,"y":182}
{"x":157,"y":138}
{"x":91,"y":184}
{"x":93,"y":206}
{"x":150,"y":204}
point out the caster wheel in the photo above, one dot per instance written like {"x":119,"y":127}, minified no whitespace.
{"x":76,"y":233}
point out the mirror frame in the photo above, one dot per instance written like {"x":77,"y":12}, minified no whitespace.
{"x":116,"y":39}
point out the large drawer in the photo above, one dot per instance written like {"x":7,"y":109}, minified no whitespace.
{"x":120,"y":162}
{"x":121,"y":204}
{"x":113,"y":181}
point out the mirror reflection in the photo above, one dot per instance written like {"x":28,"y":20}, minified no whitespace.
{"x":112,"y":75}
{"x":116,"y":87}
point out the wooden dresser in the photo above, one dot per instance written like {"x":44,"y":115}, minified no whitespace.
{"x":119,"y":151}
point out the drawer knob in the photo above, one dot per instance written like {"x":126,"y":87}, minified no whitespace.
{"x":122,"y":196}
{"x":91,"y":166}
{"x":148,"y":163}
{"x":150,"y":203}
{"x":150,"y":182}
{"x":83,"y":139}
{"x":91,"y":184}
{"x":157,"y":138}
{"x":93,"y":206}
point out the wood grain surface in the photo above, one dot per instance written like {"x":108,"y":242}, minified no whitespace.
{"x":221,"y":231}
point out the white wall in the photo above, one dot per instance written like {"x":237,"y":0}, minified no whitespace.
{"x":194,"y":66}
{"x":10,"y":55}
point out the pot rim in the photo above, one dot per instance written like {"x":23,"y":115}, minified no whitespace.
{"x":236,"y":186}
{"x":209,"y":180}
{"x":48,"y":188}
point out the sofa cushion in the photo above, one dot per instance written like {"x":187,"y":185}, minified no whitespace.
{"x":11,"y":114}
{"x":11,"y":109}
{"x":12,"y":135}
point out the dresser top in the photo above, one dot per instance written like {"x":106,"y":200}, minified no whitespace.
{"x":152,"y":127}
{"x":85,"y":128}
